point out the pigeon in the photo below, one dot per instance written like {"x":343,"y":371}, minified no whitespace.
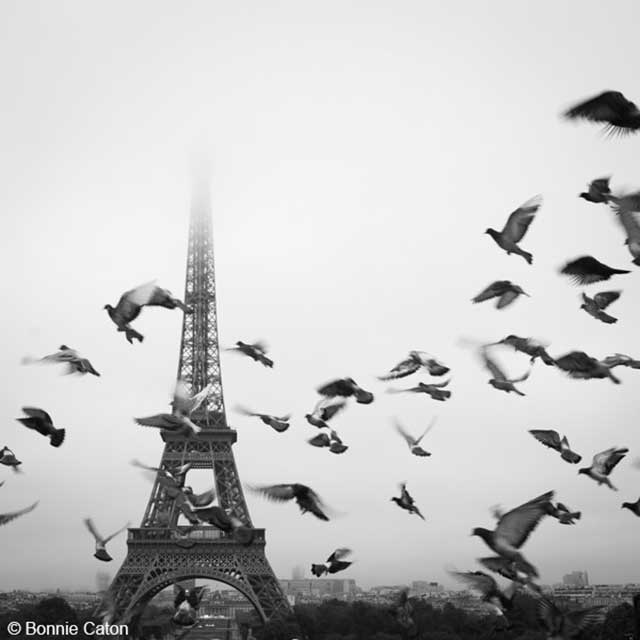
{"x":184,"y":403}
{"x":499,"y":379}
{"x":415,"y":361}
{"x":620,"y":116}
{"x":511,"y":570}
{"x":634,"y":507}
{"x":627,"y":210}
{"x":406,"y":502}
{"x":131,"y":303}
{"x":563,"y":514}
{"x":101,"y":543}
{"x":277,"y":424}
{"x":75,"y":363}
{"x":528,"y":346}
{"x":8,"y":459}
{"x":581,"y":366}
{"x":619,"y":359}
{"x":197,"y":500}
{"x":323,"y":412}
{"x":570,"y":625}
{"x":41,"y":421}
{"x":516,"y":227}
{"x":435,"y":390}
{"x":169,"y":422}
{"x":186,"y":604}
{"x":256,"y":351}
{"x":488,"y":589}
{"x":333,"y":564}
{"x":603,"y":464}
{"x":504,"y":290}
{"x":513,"y":530}
{"x":598,"y":191}
{"x":218,"y":517}
{"x":332,"y":441}
{"x":321,"y":440}
{"x":306,"y":498}
{"x":346,"y":387}
{"x":595,"y":306}
{"x":587,"y":270}
{"x":8,"y":517}
{"x":414,"y":443}
{"x":551,"y":439}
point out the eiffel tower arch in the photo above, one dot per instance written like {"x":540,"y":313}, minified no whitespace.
{"x":161,"y":551}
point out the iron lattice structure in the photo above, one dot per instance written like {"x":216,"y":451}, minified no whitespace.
{"x":162,"y":551}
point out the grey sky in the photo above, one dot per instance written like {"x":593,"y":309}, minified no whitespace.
{"x":359,"y":151}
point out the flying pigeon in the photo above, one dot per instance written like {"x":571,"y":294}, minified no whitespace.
{"x":333,"y":564}
{"x":598,"y":191}
{"x":169,"y":422}
{"x":41,"y":421}
{"x":603,"y":464}
{"x":101,"y":543}
{"x":516,"y":227}
{"x":256,"y":351}
{"x":435,"y":390}
{"x":332,"y":441}
{"x":587,"y":270}
{"x":414,"y":443}
{"x":184,"y":403}
{"x":511,"y":570}
{"x":132,"y":301}
{"x":513,"y":530}
{"x":627,"y":210}
{"x":306,"y":498}
{"x":198,"y":500}
{"x":504,"y":290}
{"x":528,"y":346}
{"x":8,"y":517}
{"x":634,"y":507}
{"x":499,"y":379}
{"x":218,"y":517}
{"x":488,"y":589}
{"x":581,"y":366}
{"x":321,"y":440}
{"x":346,"y":387}
{"x":406,"y":502}
{"x":75,"y":363}
{"x":414,"y":362}
{"x":563,"y":514}
{"x":619,"y":359}
{"x":277,"y":424}
{"x":8,"y":458}
{"x":619,"y":115}
{"x":323,"y":412}
{"x":186,"y":605}
{"x":551,"y":439}
{"x":570,"y":625}
{"x":595,"y":306}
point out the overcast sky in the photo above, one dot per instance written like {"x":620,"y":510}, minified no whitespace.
{"x":359,"y":151}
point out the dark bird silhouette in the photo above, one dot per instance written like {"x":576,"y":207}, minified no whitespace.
{"x":595,"y":306}
{"x":603,"y":464}
{"x":436,"y":390}
{"x":514,"y":528}
{"x":306,"y":498}
{"x":627,"y":210}
{"x":415,"y":361}
{"x":256,"y":351}
{"x":346,"y":387}
{"x":619,"y":115}
{"x":598,"y":191}
{"x":279,"y":424}
{"x":414,"y":443}
{"x":567,"y":625}
{"x":323,"y":412}
{"x":8,"y":459}
{"x":587,"y":270}
{"x":528,"y":346}
{"x":334,"y":563}
{"x":186,"y":605}
{"x":581,"y":366}
{"x":406,"y":502}
{"x":41,"y":421}
{"x":499,"y":378}
{"x":175,"y":423}
{"x":550,"y":438}
{"x":634,"y":507}
{"x":66,"y":355}
{"x":511,"y":570}
{"x":488,"y":589}
{"x":199,"y":499}
{"x":563,"y":514}
{"x":219,"y":518}
{"x":504,"y":290}
{"x":516,"y":227}
{"x":8,"y":517}
{"x":621,"y":360}
{"x":101,"y":543}
{"x":331,"y":440}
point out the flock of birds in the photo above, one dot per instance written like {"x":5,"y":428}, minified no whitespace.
{"x":514,"y":527}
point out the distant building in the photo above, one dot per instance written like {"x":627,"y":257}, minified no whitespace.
{"x":319,"y":588}
{"x":576,"y":579}
{"x":297,"y":573}
{"x":422,"y":587}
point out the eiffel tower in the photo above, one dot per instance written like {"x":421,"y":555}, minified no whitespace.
{"x":162,"y":552}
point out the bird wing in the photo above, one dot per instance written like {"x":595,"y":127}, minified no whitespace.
{"x":548,"y":437}
{"x":587,"y":270}
{"x":549,"y":615}
{"x":338,"y":554}
{"x":477,"y":580}
{"x":408,"y":438}
{"x":278,"y":492}
{"x":182,"y":401}
{"x":575,"y":361}
{"x":431,"y":425}
{"x":521,"y":218}
{"x":493,"y":367}
{"x":92,"y":528}
{"x":601,"y":185}
{"x":605,"y":298}
{"x":244,"y":411}
{"x":8,"y":517}
{"x":200,"y":397}
{"x":507,"y":298}
{"x":439,"y":385}
{"x":113,"y":535}
{"x":328,"y":411}
{"x":612,"y":460}
{"x":140,"y":295}
{"x":402,"y":369}
{"x":496,"y":288}
{"x":516,"y":525}
{"x":585,"y":618}
{"x":161,"y":420}
{"x":39,"y":414}
{"x":181,"y":596}
{"x":604,"y":107}
{"x":260,"y":346}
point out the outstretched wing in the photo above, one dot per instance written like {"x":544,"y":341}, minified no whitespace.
{"x":8,"y":517}
{"x":492,"y":366}
{"x":605,"y":298}
{"x":604,"y":107}
{"x":408,"y":438}
{"x":521,"y":218}
{"x":141,"y":295}
{"x":39,"y":414}
{"x":575,"y":361}
{"x":113,"y":535}
{"x":477,"y":580}
{"x":548,"y":437}
{"x":277,"y":492}
{"x":92,"y":528}
{"x":429,"y":427}
{"x":496,"y":288}
{"x":160,"y":421}
{"x":338,"y":554}
{"x":516,"y":525}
